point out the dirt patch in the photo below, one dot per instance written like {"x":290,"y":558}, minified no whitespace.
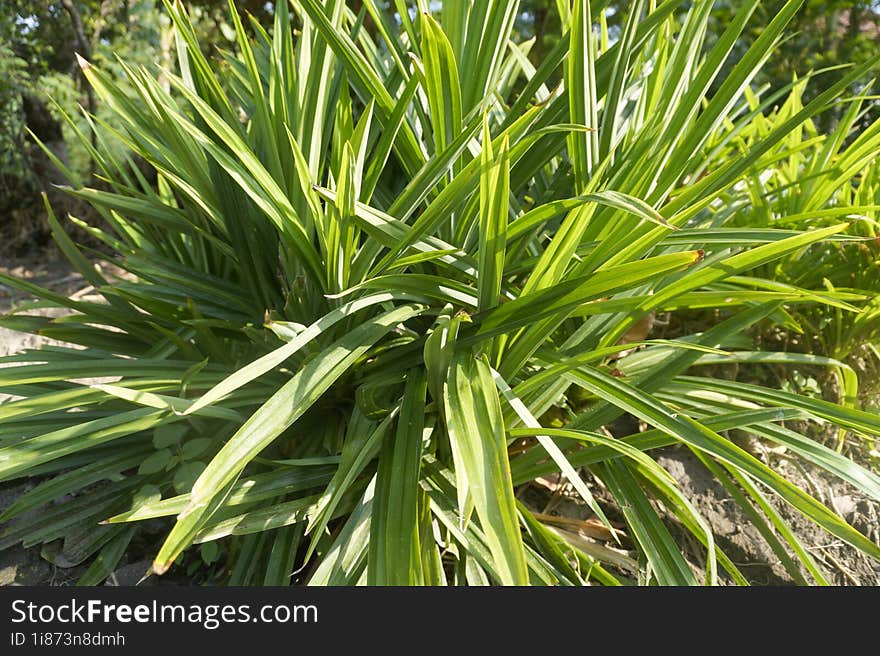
{"x":45,"y":270}
{"x":733,"y":529}
{"x":741,"y":541}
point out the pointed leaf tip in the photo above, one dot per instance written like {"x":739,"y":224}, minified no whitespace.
{"x":159,"y":568}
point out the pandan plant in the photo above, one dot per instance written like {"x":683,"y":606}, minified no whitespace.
{"x":385,"y":280}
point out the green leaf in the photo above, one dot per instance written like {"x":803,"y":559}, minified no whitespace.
{"x":476,"y":433}
{"x":441,"y":83}
{"x":565,"y":296}
{"x":362,"y":443}
{"x":186,"y":475}
{"x":195,"y":447}
{"x":273,"y":417}
{"x":394,"y":537}
{"x":494,"y":192}
{"x":583,"y":96}
{"x":108,"y":559}
{"x":648,"y":529}
{"x":155,"y":462}
{"x":268,"y":362}
{"x":169,"y":434}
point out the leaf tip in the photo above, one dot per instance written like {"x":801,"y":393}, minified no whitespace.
{"x":159,"y":567}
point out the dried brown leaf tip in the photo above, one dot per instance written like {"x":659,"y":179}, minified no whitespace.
{"x":160,"y":567}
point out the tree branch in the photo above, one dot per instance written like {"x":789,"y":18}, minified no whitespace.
{"x":86,"y":52}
